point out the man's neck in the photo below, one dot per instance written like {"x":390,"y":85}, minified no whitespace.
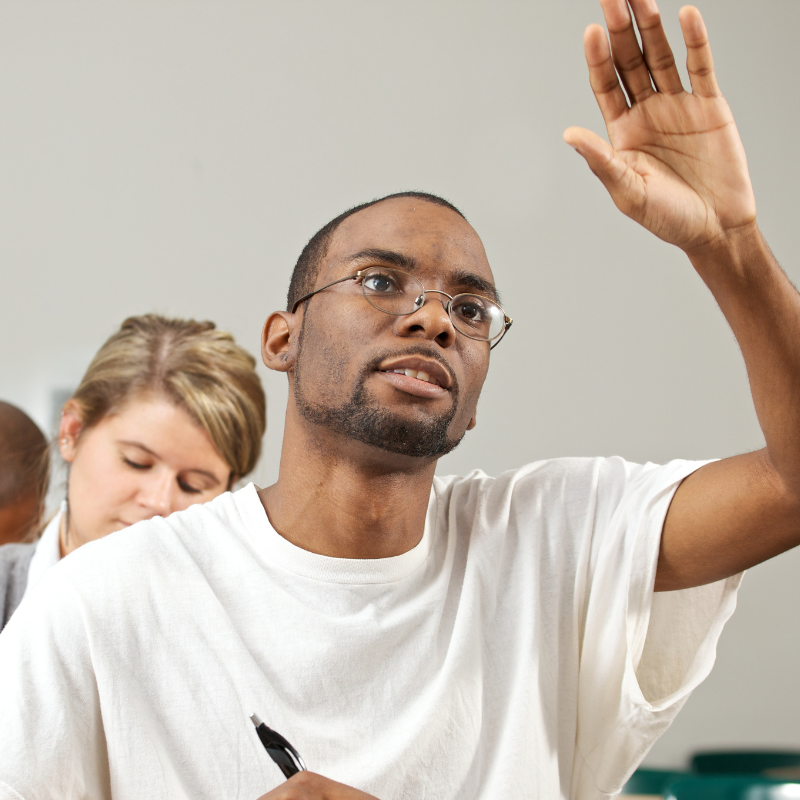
{"x":345,"y":499}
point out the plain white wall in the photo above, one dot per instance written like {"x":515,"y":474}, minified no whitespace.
{"x":175,"y":156}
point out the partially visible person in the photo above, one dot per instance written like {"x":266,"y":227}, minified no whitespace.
{"x":169,"y":413}
{"x":24,"y":473}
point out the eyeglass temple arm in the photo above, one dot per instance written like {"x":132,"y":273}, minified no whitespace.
{"x":507,"y":323}
{"x":326,"y":286}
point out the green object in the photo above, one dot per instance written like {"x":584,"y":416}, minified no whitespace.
{"x":744,"y":762}
{"x":731,"y":787}
{"x":652,"y":781}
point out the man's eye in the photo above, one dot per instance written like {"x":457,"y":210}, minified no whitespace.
{"x":380,"y":282}
{"x":471,"y":312}
{"x":135,"y":464}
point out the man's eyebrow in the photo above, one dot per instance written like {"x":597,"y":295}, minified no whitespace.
{"x":156,"y":455}
{"x":392,"y":257}
{"x":480,"y":285}
{"x":461,"y":278}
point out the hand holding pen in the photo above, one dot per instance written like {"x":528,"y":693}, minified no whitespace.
{"x":279,"y":749}
{"x":300,"y":784}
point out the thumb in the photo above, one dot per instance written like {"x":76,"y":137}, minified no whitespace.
{"x":604,"y":162}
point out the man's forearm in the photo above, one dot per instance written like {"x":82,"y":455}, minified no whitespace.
{"x":763,"y":310}
{"x":737,"y":512}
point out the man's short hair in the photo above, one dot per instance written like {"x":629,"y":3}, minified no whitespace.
{"x":305,"y":271}
{"x":24,"y":457}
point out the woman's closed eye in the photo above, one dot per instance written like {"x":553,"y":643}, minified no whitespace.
{"x":185,"y":487}
{"x":136,"y":464}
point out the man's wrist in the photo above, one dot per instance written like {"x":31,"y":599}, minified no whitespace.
{"x":739,"y":253}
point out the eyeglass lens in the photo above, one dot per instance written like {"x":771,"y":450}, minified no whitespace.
{"x":399,"y":293}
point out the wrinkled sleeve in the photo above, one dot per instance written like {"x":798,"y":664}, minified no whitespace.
{"x":642,"y":653}
{"x":51,"y":736}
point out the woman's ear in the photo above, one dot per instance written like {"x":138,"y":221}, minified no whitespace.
{"x":69,"y":430}
{"x":277,"y":343}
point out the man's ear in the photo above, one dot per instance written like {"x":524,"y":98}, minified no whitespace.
{"x":277,"y":341}
{"x":69,"y":430}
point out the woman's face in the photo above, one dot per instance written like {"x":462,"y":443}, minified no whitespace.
{"x":148,"y":459}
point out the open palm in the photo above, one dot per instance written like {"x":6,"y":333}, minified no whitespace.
{"x":676,"y":163}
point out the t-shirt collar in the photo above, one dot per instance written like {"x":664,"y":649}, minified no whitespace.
{"x":280,"y":552}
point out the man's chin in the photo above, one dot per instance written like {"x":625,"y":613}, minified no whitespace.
{"x":403,"y":441}
{"x":379,"y":415}
{"x":405,"y":432}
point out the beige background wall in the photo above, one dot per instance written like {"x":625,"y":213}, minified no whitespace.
{"x":176,"y":156}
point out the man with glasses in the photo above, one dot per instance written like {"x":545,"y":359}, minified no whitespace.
{"x":415,"y":636}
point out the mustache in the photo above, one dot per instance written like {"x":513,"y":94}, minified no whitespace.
{"x":414,"y":350}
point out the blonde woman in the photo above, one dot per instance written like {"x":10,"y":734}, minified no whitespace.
{"x":170,"y":413}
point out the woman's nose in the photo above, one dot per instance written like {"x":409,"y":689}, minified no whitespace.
{"x":158,"y":494}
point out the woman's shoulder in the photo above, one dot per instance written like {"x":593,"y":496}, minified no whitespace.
{"x":15,"y":560}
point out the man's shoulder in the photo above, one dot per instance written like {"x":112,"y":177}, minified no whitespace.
{"x":541,"y":476}
{"x":148,"y":549}
{"x":224,"y":511}
{"x":164,"y":564}
{"x":563,"y":490}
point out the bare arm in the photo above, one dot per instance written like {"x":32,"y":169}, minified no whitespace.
{"x":677,"y":166}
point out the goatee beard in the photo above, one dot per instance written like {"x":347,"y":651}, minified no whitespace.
{"x":360,"y":417}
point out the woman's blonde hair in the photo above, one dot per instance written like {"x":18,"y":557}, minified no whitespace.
{"x":192,"y":364}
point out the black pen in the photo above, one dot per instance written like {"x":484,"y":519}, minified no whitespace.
{"x":279,"y":749}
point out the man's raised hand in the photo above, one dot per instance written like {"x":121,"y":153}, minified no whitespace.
{"x":676,"y":163}
{"x":310,"y":786}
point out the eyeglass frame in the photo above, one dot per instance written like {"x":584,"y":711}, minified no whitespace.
{"x":507,"y":321}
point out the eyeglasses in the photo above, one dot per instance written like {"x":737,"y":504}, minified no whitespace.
{"x":400,"y":294}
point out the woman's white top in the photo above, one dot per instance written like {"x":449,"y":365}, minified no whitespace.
{"x":47,"y":553}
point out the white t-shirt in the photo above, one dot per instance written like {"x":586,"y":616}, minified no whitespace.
{"x":502,"y":657}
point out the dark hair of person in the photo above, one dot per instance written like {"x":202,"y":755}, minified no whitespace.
{"x":24,"y":457}
{"x":305,"y":271}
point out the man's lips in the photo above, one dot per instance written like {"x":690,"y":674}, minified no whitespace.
{"x":413,"y":386}
{"x":421,"y":377}
{"x":418,"y":368}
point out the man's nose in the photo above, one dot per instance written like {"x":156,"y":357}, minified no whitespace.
{"x":429,"y":321}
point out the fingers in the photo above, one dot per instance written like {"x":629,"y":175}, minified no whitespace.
{"x":643,"y":70}
{"x":652,"y":64}
{"x":657,"y":52}
{"x":627,"y":55}
{"x":699,"y":62}
{"x":603,"y":75}
{"x":310,"y":786}
{"x":618,"y":178}
{"x":599,"y":155}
